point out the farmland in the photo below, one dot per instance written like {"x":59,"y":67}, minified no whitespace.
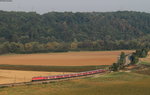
{"x":14,"y":76}
{"x":115,"y":83}
{"x":119,"y":83}
{"x":52,"y":68}
{"x":21,"y":68}
{"x":63,"y":59}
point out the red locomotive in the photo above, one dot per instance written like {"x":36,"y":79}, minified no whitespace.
{"x":68,"y":75}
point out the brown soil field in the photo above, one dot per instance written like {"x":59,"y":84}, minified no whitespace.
{"x":147,"y":59}
{"x":64,"y":59}
{"x":14,"y":76}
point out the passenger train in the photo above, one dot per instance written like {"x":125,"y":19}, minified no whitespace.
{"x":56,"y":77}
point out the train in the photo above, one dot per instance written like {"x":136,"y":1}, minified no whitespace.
{"x":56,"y":77}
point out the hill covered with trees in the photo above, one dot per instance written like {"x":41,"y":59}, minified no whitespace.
{"x":22,"y":32}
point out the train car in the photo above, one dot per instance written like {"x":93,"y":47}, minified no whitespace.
{"x":39,"y":78}
{"x":68,"y":75}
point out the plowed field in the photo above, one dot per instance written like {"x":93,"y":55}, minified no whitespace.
{"x":64,"y":59}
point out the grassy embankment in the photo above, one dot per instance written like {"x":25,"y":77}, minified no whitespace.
{"x":118,"y":83}
{"x":143,"y":68}
{"x":145,"y":63}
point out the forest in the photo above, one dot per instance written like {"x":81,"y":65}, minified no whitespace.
{"x":29,"y":32}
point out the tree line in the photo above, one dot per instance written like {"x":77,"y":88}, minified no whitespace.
{"x":29,"y":32}
{"x":36,"y":47}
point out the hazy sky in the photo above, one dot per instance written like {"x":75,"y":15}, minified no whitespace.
{"x":43,"y":6}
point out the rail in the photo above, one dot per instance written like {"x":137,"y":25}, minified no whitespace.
{"x":48,"y":81}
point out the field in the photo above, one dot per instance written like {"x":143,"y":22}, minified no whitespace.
{"x":119,"y":83}
{"x":115,"y":83}
{"x":52,"y":68}
{"x":21,"y":68}
{"x":147,"y":59}
{"x":14,"y":76}
{"x":144,"y":66}
{"x":64,"y":59}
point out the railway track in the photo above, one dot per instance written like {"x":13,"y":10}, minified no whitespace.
{"x":48,"y":81}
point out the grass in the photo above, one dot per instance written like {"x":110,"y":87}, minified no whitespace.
{"x":118,"y":83}
{"x":145,"y":63}
{"x":119,"y":76}
{"x":143,"y":68}
{"x":52,"y":68}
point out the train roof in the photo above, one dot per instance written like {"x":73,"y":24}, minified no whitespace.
{"x":69,"y":74}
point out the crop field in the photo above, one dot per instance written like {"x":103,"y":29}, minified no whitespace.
{"x":64,"y":59}
{"x":118,"y":83}
{"x":14,"y":76}
{"x":115,"y":83}
{"x":52,"y":68}
{"x":21,"y":68}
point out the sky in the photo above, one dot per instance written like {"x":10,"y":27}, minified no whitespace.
{"x":44,"y":6}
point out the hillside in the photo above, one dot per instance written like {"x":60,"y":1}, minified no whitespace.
{"x":73,"y":31}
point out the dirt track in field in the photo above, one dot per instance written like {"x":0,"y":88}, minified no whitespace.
{"x":64,"y":59}
{"x":14,"y":76}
